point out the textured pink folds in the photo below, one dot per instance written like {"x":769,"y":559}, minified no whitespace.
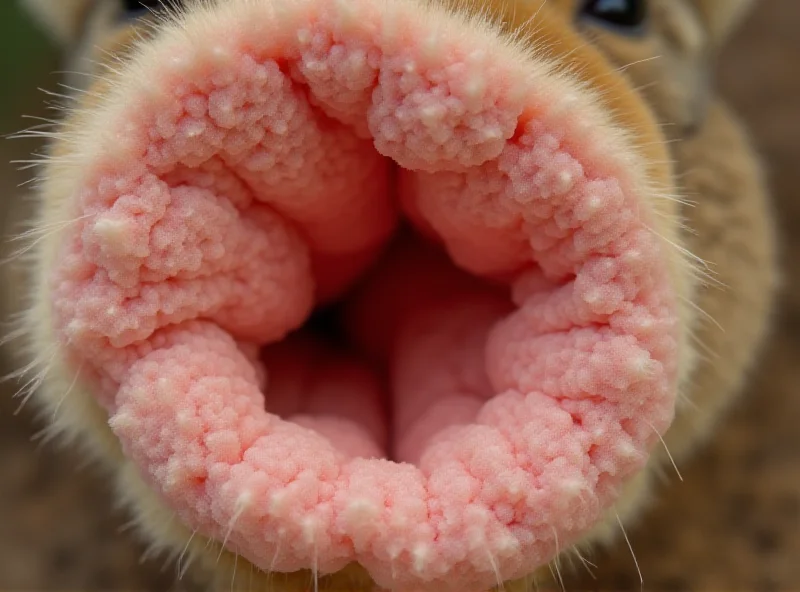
{"x":505,"y":374}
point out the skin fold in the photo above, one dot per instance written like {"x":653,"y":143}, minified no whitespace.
{"x":656,"y":88}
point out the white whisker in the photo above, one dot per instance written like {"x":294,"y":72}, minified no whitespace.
{"x":557,"y":561}
{"x":630,"y":547}
{"x":66,"y":394}
{"x":500,"y":584}
{"x":233,"y":577}
{"x":31,"y":386}
{"x":586,"y":563}
{"x":241,"y":505}
{"x":669,"y":454}
{"x":697,"y":307}
{"x":637,"y":62}
{"x":182,"y":569}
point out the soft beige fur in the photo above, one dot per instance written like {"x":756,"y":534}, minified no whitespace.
{"x":707,"y":188}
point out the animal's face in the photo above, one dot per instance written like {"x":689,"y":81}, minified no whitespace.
{"x":526,"y":385}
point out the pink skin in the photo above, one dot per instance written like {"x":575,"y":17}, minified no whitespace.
{"x":250,"y":181}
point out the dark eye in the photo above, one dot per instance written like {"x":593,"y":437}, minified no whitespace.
{"x":625,"y":16}
{"x":136,"y":7}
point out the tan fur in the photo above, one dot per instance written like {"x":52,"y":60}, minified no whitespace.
{"x":651,"y":101}
{"x":722,"y":16}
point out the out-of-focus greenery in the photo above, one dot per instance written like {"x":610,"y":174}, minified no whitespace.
{"x":27,"y":60}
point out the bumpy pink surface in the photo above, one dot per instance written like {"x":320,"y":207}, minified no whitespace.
{"x":251,"y":179}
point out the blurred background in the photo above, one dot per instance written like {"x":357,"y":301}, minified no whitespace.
{"x":732,"y":524}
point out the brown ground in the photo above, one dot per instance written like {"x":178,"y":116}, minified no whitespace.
{"x":733,"y":524}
